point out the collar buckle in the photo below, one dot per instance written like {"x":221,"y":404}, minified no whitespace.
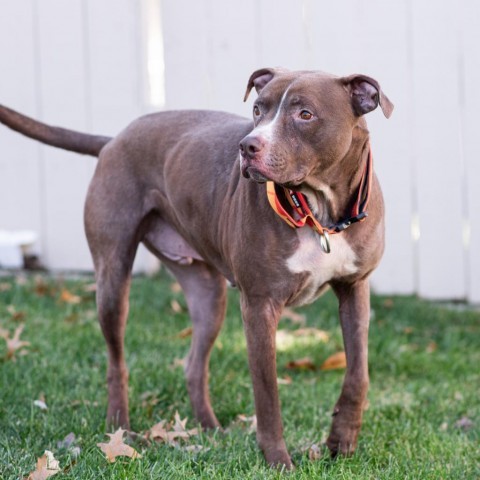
{"x":340,"y":227}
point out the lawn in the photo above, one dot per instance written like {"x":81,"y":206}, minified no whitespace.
{"x":423,"y":420}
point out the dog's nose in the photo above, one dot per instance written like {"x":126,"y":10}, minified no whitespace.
{"x":250,"y":146}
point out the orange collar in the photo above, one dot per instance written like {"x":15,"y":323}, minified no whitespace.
{"x":302,"y":214}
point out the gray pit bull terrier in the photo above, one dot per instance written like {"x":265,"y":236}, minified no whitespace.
{"x":197,"y":188}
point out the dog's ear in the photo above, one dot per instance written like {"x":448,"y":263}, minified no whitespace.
{"x":259,"y":79}
{"x":366,"y":94}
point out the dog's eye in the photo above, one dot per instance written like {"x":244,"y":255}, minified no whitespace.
{"x":256,"y":111}
{"x":306,"y":115}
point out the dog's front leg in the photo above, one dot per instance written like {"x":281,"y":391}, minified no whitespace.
{"x":354,"y":307}
{"x":260,"y":318}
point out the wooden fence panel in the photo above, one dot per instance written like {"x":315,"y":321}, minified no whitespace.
{"x":20,"y":205}
{"x":470,"y":101}
{"x":441,"y":261}
{"x":64,"y":101}
{"x":391,"y":139}
{"x":72,"y":67}
{"x":187,"y":67}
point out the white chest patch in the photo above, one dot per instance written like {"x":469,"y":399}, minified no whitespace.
{"x":322,"y":267}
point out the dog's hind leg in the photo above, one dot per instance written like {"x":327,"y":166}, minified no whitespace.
{"x":205,"y":291}
{"x":113,"y":237}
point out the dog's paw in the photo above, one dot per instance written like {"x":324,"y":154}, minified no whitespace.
{"x":343,"y":436}
{"x":278,"y":457}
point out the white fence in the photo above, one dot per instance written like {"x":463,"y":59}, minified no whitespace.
{"x":96,"y":64}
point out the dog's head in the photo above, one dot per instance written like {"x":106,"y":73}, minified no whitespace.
{"x":304,"y":122}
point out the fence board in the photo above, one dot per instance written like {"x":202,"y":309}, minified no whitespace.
{"x":232,"y":53}
{"x":470,"y":100}
{"x":391,"y":139}
{"x":19,"y":162}
{"x":61,"y":29}
{"x":441,"y":257}
{"x":280,"y":44}
{"x":187,"y":76}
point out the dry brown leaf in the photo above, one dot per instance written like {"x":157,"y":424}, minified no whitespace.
{"x":175,"y":287}
{"x":301,"y":364}
{"x":42,"y":288}
{"x":185,"y":333}
{"x":315,"y":333}
{"x":15,"y":314}
{"x":388,"y":303}
{"x":178,"y":363}
{"x":294,"y":317}
{"x":175,"y":306}
{"x":4,"y":287}
{"x":314,"y":452}
{"x":286,"y":380}
{"x":408,"y":330}
{"x":180,"y":427}
{"x":4,"y":333}
{"x":335,"y":361}
{"x":170,"y":433}
{"x":14,"y":344}
{"x":159,"y":431}
{"x":431,"y":347}
{"x":47,"y":466}
{"x":90,"y":288}
{"x":195,"y":448}
{"x":40,"y":403}
{"x":251,"y":422}
{"x":68,"y":297}
{"x":116,"y":448}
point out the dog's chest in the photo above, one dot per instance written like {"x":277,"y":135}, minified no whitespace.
{"x":321,"y":267}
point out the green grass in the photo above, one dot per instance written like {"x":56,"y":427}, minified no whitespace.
{"x":424,"y":367}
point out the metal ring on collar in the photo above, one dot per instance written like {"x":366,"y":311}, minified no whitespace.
{"x":325,"y":241}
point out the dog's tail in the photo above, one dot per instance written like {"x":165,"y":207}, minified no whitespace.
{"x":54,"y":136}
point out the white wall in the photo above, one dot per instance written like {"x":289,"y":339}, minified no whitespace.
{"x":84,"y":64}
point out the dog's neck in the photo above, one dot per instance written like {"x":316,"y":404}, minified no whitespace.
{"x":333,"y":193}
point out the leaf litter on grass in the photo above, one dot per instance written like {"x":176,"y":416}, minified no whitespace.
{"x":47,"y":466}
{"x":14,"y":344}
{"x":115,"y":447}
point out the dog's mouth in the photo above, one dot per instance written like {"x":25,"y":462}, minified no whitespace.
{"x":252,"y":173}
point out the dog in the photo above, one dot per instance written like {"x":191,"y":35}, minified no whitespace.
{"x":277,"y":206}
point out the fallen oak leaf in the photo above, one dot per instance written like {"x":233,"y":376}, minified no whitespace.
{"x":15,"y":315}
{"x":286,"y":380}
{"x":294,"y":317}
{"x":315,"y":333}
{"x":180,"y":427}
{"x":90,"y":288}
{"x":40,"y":403}
{"x":195,"y":448}
{"x":47,"y":466}
{"x":305,"y":363}
{"x":68,"y":297}
{"x":314,"y":452}
{"x":116,"y":448}
{"x":175,"y":306}
{"x":185,"y":333}
{"x":14,"y":343}
{"x":250,"y":421}
{"x":336,"y":361}
{"x":159,"y":431}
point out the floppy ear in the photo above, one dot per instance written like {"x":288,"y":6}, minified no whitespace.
{"x":366,"y":94}
{"x":259,"y":79}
